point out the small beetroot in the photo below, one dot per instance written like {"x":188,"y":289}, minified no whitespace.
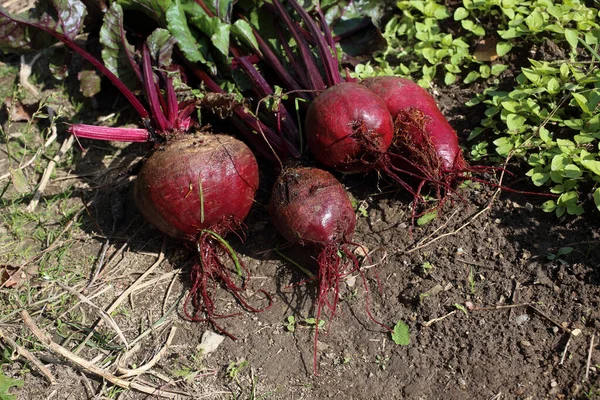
{"x":310,"y":207}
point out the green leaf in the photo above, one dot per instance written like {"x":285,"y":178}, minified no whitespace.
{"x":460,"y":13}
{"x":553,"y":86}
{"x":5,"y":384}
{"x":195,"y":50}
{"x":539,"y":178}
{"x":558,"y":163}
{"x":161,"y":43}
{"x":545,"y":135}
{"x":426,"y":218}
{"x":155,"y":9}
{"x":215,"y":29}
{"x":515,"y":122}
{"x":503,"y":146}
{"x":566,"y":146}
{"x":572,"y":171}
{"x":449,"y":78}
{"x":563,"y":251}
{"x":401,"y":334}
{"x":549,"y":206}
{"x":502,"y":48}
{"x":117,"y":53}
{"x":471,"y":76}
{"x":582,"y":101}
{"x":243,"y":32}
{"x":592,"y":165}
{"x":535,"y":21}
{"x":571,"y":36}
{"x":596,"y":196}
{"x":497,"y":69}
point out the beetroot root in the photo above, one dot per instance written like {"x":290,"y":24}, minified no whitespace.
{"x":348,"y":128}
{"x":192,"y":183}
{"x":310,"y":207}
{"x":419,"y":123}
{"x":199,"y":188}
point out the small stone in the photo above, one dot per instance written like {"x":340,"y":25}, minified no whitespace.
{"x":553,"y":383}
{"x":469,"y":305}
{"x":529,"y":207}
{"x":351,"y":281}
{"x":555,"y":329}
{"x":209,"y":342}
{"x":525,"y":343}
{"x":361,"y":251}
{"x":576,"y":332}
{"x":497,"y":221}
{"x":322,"y":346}
{"x":522,"y":319}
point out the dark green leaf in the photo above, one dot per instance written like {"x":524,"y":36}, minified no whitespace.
{"x":155,"y":9}
{"x":117,"y":53}
{"x":161,"y":43}
{"x":215,"y":29}
{"x":195,"y":49}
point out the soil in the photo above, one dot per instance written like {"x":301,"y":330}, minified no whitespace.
{"x":494,"y":310}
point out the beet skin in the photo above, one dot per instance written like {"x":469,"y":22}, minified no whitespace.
{"x":310,"y":206}
{"x":194,"y":182}
{"x":413,"y":109}
{"x":348,"y":128}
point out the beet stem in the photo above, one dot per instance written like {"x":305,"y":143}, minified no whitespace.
{"x":109,"y":133}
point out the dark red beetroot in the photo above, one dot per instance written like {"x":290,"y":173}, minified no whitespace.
{"x":348,"y":128}
{"x":199,"y":188}
{"x":423,"y":133}
{"x":168,"y":192}
{"x":310,"y":207}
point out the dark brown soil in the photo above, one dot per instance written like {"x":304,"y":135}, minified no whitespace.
{"x":492,"y":314}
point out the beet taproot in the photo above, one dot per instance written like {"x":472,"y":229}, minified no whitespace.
{"x":348,"y":128}
{"x":310,"y":207}
{"x":198,"y":188}
{"x":423,"y":135}
{"x":191,"y":183}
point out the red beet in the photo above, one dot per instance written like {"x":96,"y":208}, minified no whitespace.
{"x":199,"y":188}
{"x":310,"y":207}
{"x":421,"y":128}
{"x":168,"y":191}
{"x":348,"y":128}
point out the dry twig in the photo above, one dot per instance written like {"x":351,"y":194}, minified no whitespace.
{"x":589,"y":358}
{"x":66,"y":146}
{"x":23,"y":352}
{"x":134,"y":286}
{"x":91,"y":368}
{"x":126,"y":372}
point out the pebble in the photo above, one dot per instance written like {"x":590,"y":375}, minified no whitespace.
{"x":553,"y":383}
{"x":529,"y":207}
{"x":522,"y":319}
{"x":210,"y":342}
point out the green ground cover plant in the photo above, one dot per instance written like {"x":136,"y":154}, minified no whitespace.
{"x":546,"y":116}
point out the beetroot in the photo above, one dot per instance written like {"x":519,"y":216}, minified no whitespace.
{"x":423,"y":135}
{"x":168,"y":191}
{"x":198,"y":188}
{"x":310,"y":207}
{"x":348,"y":128}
